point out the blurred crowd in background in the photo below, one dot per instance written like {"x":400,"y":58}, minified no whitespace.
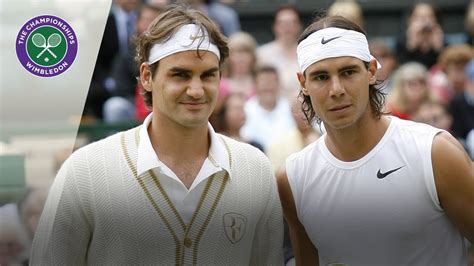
{"x":427,"y":79}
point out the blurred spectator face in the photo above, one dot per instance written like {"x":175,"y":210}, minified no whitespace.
{"x":241,"y":60}
{"x":10,"y":246}
{"x":456,"y":76}
{"x":242,"y":56}
{"x":268,"y":87}
{"x":423,"y":32}
{"x":235,"y":114}
{"x":453,"y":59}
{"x":424,"y":14}
{"x":433,"y":114}
{"x":147,"y":15}
{"x":424,"y":24}
{"x":287,"y":25}
{"x":348,"y":9}
{"x":414,"y":89}
{"x":127,"y":5}
{"x":409,"y":87}
{"x":9,"y":250}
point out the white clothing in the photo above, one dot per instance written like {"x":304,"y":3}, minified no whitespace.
{"x":333,"y":42}
{"x":189,"y":37}
{"x":382,"y":209}
{"x":101,"y":212}
{"x":265,"y":126}
{"x":185,"y":200}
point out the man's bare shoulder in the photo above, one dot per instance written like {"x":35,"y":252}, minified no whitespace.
{"x":448,"y":155}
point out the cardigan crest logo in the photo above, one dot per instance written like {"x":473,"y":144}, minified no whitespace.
{"x":234,"y":225}
{"x":46,"y":46}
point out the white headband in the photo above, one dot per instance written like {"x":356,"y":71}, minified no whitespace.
{"x":188,"y":37}
{"x":333,"y":42}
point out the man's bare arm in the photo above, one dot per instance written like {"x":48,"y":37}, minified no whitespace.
{"x":454,"y":178}
{"x":303,"y":249}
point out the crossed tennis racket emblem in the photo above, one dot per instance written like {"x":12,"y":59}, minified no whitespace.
{"x":39,"y":41}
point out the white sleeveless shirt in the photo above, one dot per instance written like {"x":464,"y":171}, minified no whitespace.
{"x":382,"y":209}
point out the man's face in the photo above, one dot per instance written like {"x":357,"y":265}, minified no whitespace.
{"x":184,"y":88}
{"x":414,"y":89}
{"x":456,"y":76}
{"x":127,"y":5}
{"x":433,"y":114}
{"x":339,"y":90}
{"x":423,"y":14}
{"x":235,"y":115}
{"x":146,"y":17}
{"x":267,"y":87}
{"x":287,"y":25}
{"x":241,"y":61}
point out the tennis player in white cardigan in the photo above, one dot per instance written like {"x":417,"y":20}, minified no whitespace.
{"x":170,"y":191}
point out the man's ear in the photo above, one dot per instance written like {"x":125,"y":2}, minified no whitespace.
{"x":302,"y":81}
{"x":146,"y":76}
{"x":373,"y":71}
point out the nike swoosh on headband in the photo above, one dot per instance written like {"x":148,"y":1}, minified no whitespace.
{"x":323,"y":41}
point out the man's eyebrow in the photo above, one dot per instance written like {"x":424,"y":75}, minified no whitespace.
{"x":211,"y":70}
{"x":322,"y":72}
{"x":349,"y":67}
{"x":184,"y":70}
{"x":179,"y":69}
{"x":316,"y":72}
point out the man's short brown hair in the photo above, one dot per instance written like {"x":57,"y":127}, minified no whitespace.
{"x":163,"y":28}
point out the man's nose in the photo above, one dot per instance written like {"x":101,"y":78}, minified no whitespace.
{"x":337,"y":88}
{"x":195,"y":88}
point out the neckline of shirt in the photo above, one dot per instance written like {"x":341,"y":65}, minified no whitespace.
{"x":348,"y":165}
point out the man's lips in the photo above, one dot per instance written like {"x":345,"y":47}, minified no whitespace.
{"x":193,"y":105}
{"x":339,"y":107}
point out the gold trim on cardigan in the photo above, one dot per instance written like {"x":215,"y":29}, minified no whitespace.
{"x":208,"y":217}
{"x":150,"y":198}
{"x":215,"y":186}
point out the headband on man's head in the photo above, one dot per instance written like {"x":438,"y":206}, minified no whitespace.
{"x":333,"y":42}
{"x":189,"y":37}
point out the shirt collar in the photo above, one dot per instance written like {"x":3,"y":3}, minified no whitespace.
{"x":147,"y":158}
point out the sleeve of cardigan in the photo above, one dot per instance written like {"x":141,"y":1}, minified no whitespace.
{"x":267,"y":246}
{"x":63,"y":233}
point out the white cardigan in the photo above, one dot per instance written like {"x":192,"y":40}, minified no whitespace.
{"x":99,"y":212}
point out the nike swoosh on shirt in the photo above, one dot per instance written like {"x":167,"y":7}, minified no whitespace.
{"x":323,"y":41}
{"x":381,"y":175}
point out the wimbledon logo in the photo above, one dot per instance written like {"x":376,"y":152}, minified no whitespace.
{"x":46,"y":46}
